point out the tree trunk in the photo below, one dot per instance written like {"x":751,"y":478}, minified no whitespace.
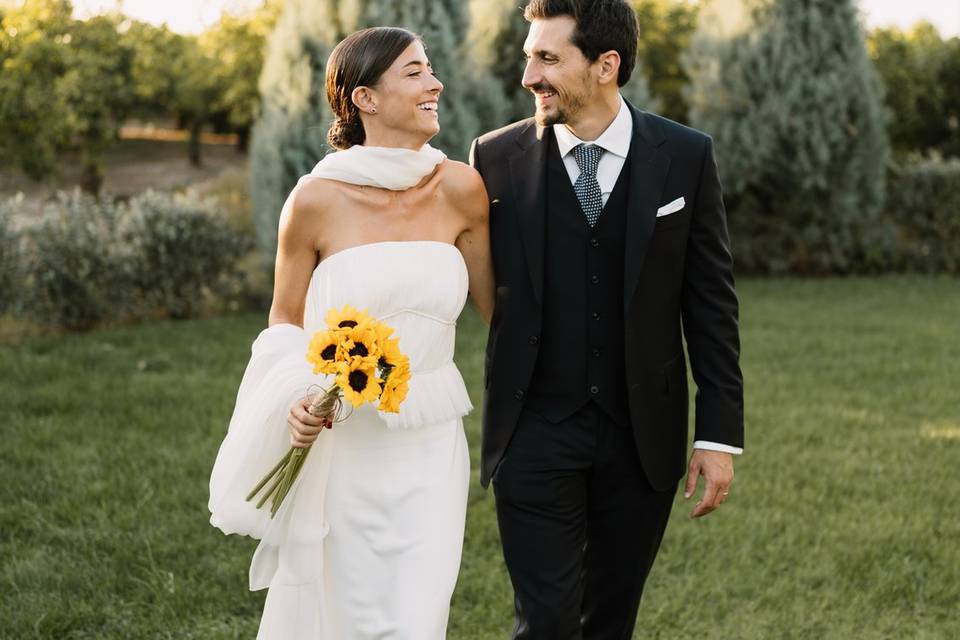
{"x":193,"y":146}
{"x":243,"y":139}
{"x":91,"y":178}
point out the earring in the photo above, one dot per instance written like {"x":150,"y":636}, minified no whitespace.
{"x":373,"y":110}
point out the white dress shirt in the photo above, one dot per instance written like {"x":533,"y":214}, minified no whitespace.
{"x":615,"y":141}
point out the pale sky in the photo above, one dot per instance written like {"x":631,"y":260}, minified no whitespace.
{"x":944,"y":14}
{"x":183,"y":16}
{"x":193,"y":16}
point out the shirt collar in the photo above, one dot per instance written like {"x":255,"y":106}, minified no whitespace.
{"x":615,"y":138}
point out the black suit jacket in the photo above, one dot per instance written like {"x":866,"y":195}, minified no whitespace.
{"x":678,"y":277}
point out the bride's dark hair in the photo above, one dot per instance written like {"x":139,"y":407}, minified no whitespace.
{"x":359,"y":61}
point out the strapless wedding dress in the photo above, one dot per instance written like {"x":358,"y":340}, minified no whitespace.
{"x":367,"y":544}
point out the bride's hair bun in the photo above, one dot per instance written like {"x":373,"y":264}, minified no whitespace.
{"x":359,"y":61}
{"x":344,"y":133}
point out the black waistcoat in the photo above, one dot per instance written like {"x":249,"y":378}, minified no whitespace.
{"x":581,"y":354}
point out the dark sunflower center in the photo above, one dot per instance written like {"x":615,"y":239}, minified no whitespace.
{"x":358,"y":380}
{"x":347,"y":323}
{"x":360,"y":349}
{"x":329,"y":352}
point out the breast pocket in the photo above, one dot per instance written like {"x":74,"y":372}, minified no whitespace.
{"x":674,"y":220}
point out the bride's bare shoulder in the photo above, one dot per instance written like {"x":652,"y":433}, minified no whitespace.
{"x":312,"y":200}
{"x":464,"y":186}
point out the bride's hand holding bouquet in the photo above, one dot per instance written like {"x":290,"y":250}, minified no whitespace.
{"x":367,"y":366}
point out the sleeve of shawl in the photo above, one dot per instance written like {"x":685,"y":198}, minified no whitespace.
{"x":276,"y":376}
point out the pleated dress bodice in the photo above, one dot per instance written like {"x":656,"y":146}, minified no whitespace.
{"x":419,"y":289}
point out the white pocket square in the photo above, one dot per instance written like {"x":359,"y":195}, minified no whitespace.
{"x":673,"y":207}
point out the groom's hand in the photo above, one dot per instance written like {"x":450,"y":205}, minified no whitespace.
{"x":716,"y":467}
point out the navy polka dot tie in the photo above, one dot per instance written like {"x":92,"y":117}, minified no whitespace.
{"x":586,"y":187}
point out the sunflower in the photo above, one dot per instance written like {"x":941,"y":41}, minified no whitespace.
{"x":326,"y":350}
{"x":395,"y":388}
{"x":384,"y":331}
{"x":359,"y":382}
{"x":361,"y":342}
{"x":391,"y":356}
{"x":346,"y":318}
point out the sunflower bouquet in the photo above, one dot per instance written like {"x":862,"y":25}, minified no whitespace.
{"x":367,"y":366}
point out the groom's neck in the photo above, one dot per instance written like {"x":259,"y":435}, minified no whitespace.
{"x":595,"y":116}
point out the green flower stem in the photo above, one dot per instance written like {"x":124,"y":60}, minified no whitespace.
{"x":282,"y":491}
{"x":267,"y":477}
{"x":286,"y":471}
{"x":290,"y":472}
{"x":273,"y":487}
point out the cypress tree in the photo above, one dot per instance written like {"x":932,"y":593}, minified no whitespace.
{"x":788,"y":92}
{"x":497,"y":32}
{"x":290,"y":136}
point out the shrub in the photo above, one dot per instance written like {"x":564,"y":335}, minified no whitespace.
{"x":88,"y":261}
{"x":74,"y":274}
{"x":180,"y":250}
{"x":9,"y":257}
{"x":788,"y":92}
{"x":923,"y":214}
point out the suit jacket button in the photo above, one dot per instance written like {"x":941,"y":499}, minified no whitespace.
{"x":519,"y":394}
{"x":534,"y":339}
{"x":594,"y":243}
{"x":594,"y":389}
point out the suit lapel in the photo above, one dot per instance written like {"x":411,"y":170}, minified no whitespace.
{"x":649,"y":164}
{"x":528,"y":176}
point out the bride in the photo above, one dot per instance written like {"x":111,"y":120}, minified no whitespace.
{"x":367,"y":543}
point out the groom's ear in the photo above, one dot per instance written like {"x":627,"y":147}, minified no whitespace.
{"x":362,"y":98}
{"x":609,"y":66}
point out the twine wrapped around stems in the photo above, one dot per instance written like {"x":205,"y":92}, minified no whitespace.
{"x":325,"y":405}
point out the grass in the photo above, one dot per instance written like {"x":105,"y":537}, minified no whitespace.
{"x":843,"y":522}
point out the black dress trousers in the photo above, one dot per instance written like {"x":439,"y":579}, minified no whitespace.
{"x":580,"y":526}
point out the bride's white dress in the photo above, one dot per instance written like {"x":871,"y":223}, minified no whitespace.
{"x":367,"y":544}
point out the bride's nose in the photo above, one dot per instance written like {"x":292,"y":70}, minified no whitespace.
{"x":438,"y":86}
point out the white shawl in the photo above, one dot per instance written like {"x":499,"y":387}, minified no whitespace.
{"x":384,"y":167}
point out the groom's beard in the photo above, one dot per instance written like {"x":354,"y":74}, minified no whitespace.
{"x":567,"y":106}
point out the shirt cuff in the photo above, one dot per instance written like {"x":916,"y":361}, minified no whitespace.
{"x":716,"y":446}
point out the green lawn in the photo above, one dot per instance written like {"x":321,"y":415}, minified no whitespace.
{"x":844,"y":520}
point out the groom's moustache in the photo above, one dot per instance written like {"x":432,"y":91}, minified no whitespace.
{"x":541,"y":87}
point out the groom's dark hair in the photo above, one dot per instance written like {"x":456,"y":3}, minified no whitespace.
{"x":602,"y":25}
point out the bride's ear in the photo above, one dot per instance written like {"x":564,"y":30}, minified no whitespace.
{"x":364,"y":100}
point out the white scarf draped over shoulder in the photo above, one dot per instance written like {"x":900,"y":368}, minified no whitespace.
{"x":277,"y":375}
{"x":383,"y":167}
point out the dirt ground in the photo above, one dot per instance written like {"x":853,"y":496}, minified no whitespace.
{"x":130,"y":167}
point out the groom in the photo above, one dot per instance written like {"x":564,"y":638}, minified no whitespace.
{"x":609,"y":236}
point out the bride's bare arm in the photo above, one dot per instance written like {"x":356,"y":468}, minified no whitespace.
{"x":474,"y":241}
{"x":296,"y":259}
{"x":296,"y":255}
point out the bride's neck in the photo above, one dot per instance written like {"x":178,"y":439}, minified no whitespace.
{"x":395,"y":139}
